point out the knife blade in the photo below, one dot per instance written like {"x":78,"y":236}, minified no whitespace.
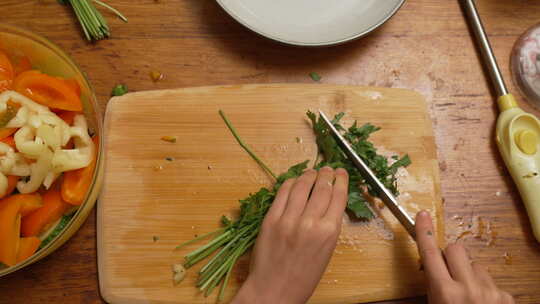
{"x":386,"y":195}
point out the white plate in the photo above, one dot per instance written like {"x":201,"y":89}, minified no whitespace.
{"x":311,"y":22}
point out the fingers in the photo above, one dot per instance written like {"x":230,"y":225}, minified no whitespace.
{"x":322,"y":193}
{"x":280,"y":201}
{"x":483,"y":275}
{"x":430,"y":253}
{"x":459,"y":263}
{"x":340,"y":194}
{"x":507,"y":298}
{"x":299,"y":195}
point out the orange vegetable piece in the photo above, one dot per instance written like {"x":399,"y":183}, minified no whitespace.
{"x":12,"y":184}
{"x":10,"y":226}
{"x":27,"y":247}
{"x":6,"y":72}
{"x":49,"y":91}
{"x":77,"y":182}
{"x":53,"y":208}
{"x":10,"y":141}
{"x":67,"y":116}
{"x":29,"y":202}
{"x":5,"y":132}
{"x":21,"y":64}
{"x":73,"y":84}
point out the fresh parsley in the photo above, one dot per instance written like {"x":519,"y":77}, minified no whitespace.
{"x":315,"y":76}
{"x":335,"y":158}
{"x":119,"y":90}
{"x":229,"y":243}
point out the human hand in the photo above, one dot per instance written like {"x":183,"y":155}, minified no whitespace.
{"x":453,"y":279}
{"x":297,"y":239}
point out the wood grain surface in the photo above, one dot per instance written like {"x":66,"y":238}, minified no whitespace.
{"x":425,"y":47}
{"x":146,"y":196}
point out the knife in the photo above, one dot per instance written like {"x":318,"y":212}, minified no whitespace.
{"x":386,"y":195}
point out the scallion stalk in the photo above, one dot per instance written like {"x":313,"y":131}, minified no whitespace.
{"x":92,"y":22}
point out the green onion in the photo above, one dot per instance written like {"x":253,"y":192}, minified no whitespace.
{"x":92,"y":22}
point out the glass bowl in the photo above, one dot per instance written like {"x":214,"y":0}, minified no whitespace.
{"x":50,"y":59}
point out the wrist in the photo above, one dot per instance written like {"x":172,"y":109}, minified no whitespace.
{"x":248,"y":294}
{"x":252,"y":293}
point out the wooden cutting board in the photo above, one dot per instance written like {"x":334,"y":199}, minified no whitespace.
{"x":150,"y":204}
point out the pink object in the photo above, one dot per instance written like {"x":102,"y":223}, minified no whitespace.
{"x":525,"y":64}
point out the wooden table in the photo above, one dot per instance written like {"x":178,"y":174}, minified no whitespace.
{"x":425,"y":47}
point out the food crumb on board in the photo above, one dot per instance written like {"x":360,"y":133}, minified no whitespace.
{"x":498,"y":193}
{"x":155,"y":238}
{"x":179,"y":273}
{"x":530,"y":175}
{"x":168,"y":158}
{"x":507,"y":258}
{"x":171,"y":139}
{"x":158,"y":168}
{"x":156,"y":76}
{"x":210,"y":167}
{"x":479,"y":228}
{"x":463,"y":234}
{"x":299,"y":140}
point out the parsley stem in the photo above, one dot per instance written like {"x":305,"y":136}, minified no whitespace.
{"x":244,"y":146}
{"x":214,"y":278}
{"x":199,"y":238}
{"x":230,"y":244}
{"x":247,"y":245}
{"x":112,"y":9}
{"x":224,"y":285}
{"x":204,"y":254}
{"x":216,"y":240}
{"x":209,"y":271}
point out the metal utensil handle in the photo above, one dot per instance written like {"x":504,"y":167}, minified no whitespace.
{"x":482,"y":41}
{"x":385,"y":194}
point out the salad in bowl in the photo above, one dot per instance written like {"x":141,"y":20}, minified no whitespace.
{"x":48,"y":159}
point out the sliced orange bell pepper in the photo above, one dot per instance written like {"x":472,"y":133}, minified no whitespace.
{"x":10,"y":141}
{"x":77,"y":182}
{"x":21,"y":64}
{"x":67,"y":116}
{"x":27,"y":247}
{"x":53,"y":208}
{"x":12,"y":184}
{"x":47,"y":90}
{"x":5,"y":132}
{"x":10,"y":225}
{"x":73,"y":84}
{"x":6,"y":72}
{"x":29,"y":202}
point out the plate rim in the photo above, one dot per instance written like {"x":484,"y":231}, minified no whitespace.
{"x":361,"y":34}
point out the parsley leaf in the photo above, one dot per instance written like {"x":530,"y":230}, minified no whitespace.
{"x":119,"y":90}
{"x":315,"y":77}
{"x":238,"y":236}
{"x":333,"y":156}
